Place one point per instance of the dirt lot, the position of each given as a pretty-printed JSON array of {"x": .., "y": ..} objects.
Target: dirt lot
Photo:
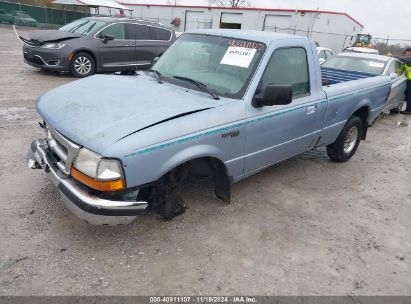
[{"x": 306, "y": 226}]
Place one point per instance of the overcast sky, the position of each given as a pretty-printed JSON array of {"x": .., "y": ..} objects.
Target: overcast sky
[{"x": 381, "y": 18}]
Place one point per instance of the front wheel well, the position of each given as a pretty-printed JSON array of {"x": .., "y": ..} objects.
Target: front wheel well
[
  {"x": 84, "y": 51},
  {"x": 210, "y": 167},
  {"x": 217, "y": 170},
  {"x": 363, "y": 113}
]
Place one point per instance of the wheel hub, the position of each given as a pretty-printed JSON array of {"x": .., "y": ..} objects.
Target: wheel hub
[
  {"x": 82, "y": 65},
  {"x": 351, "y": 139}
]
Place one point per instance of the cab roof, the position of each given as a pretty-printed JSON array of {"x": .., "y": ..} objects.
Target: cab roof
[{"x": 259, "y": 36}]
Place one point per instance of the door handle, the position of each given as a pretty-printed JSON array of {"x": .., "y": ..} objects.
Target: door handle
[{"x": 311, "y": 109}]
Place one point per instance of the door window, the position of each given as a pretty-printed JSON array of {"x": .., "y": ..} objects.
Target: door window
[
  {"x": 391, "y": 68},
  {"x": 288, "y": 66},
  {"x": 329, "y": 54},
  {"x": 160, "y": 34},
  {"x": 116, "y": 30},
  {"x": 399, "y": 68},
  {"x": 142, "y": 32},
  {"x": 322, "y": 55}
]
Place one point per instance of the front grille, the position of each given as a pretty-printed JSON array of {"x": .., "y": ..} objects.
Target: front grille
[{"x": 64, "y": 150}]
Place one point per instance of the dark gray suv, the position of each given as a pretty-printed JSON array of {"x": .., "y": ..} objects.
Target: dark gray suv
[{"x": 98, "y": 44}]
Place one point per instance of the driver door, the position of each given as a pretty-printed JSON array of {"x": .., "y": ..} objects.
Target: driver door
[
  {"x": 282, "y": 131},
  {"x": 120, "y": 53}
]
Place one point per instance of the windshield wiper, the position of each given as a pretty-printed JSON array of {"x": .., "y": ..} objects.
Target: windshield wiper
[
  {"x": 158, "y": 75},
  {"x": 89, "y": 29},
  {"x": 199, "y": 84},
  {"x": 77, "y": 27}
]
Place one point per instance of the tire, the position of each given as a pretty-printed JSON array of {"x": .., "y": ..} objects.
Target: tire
[
  {"x": 399, "y": 108},
  {"x": 128, "y": 72},
  {"x": 347, "y": 142},
  {"x": 82, "y": 65}
]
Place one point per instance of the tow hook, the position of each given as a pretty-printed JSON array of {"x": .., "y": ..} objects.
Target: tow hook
[
  {"x": 33, "y": 164},
  {"x": 33, "y": 157}
]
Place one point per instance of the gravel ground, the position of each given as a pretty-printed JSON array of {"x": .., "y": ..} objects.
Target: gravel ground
[{"x": 304, "y": 227}]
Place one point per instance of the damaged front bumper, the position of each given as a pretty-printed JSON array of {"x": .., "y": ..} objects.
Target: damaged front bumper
[
  {"x": 52, "y": 59},
  {"x": 81, "y": 200}
]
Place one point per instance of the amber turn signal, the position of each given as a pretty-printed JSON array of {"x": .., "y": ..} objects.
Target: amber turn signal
[{"x": 114, "y": 185}]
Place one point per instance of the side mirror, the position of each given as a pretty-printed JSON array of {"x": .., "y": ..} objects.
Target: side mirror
[
  {"x": 273, "y": 94},
  {"x": 393, "y": 75},
  {"x": 107, "y": 38},
  {"x": 322, "y": 60},
  {"x": 156, "y": 59}
]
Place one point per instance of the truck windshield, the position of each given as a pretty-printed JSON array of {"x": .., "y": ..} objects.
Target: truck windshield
[
  {"x": 224, "y": 65},
  {"x": 82, "y": 26},
  {"x": 357, "y": 64}
]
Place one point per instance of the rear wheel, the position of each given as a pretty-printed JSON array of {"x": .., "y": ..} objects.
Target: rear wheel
[
  {"x": 347, "y": 142},
  {"x": 82, "y": 65},
  {"x": 400, "y": 107}
]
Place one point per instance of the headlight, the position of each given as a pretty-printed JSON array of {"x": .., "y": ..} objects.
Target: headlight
[
  {"x": 53, "y": 45},
  {"x": 87, "y": 162},
  {"x": 98, "y": 173}
]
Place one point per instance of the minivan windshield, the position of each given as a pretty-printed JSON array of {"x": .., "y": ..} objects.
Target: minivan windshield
[
  {"x": 224, "y": 65},
  {"x": 82, "y": 26},
  {"x": 357, "y": 64}
]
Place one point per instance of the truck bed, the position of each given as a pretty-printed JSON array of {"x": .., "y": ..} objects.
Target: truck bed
[
  {"x": 333, "y": 76},
  {"x": 345, "y": 95}
]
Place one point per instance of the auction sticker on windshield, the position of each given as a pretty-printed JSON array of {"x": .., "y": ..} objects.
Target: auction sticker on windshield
[
  {"x": 374, "y": 64},
  {"x": 238, "y": 56}
]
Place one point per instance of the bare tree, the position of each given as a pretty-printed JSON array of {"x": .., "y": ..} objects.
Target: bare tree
[
  {"x": 395, "y": 49},
  {"x": 229, "y": 3}
]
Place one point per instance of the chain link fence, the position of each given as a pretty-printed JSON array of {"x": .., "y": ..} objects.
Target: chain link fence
[
  {"x": 391, "y": 45},
  {"x": 31, "y": 15},
  {"x": 387, "y": 45},
  {"x": 56, "y": 15}
]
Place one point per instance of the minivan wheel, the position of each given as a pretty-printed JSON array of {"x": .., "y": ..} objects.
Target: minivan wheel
[
  {"x": 82, "y": 65},
  {"x": 347, "y": 142}
]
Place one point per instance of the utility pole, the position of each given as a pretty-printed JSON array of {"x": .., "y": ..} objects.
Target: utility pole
[
  {"x": 315, "y": 16},
  {"x": 345, "y": 40}
]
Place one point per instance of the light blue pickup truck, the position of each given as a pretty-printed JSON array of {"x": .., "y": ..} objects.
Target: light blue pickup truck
[{"x": 225, "y": 103}]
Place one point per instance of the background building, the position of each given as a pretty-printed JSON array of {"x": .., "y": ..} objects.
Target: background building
[{"x": 330, "y": 29}]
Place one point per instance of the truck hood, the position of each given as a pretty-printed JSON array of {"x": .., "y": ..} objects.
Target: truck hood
[
  {"x": 97, "y": 111},
  {"x": 41, "y": 36}
]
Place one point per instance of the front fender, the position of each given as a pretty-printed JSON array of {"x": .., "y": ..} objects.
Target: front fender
[
  {"x": 190, "y": 153},
  {"x": 148, "y": 166}
]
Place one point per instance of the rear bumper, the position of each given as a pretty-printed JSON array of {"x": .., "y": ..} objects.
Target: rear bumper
[{"x": 81, "y": 200}]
